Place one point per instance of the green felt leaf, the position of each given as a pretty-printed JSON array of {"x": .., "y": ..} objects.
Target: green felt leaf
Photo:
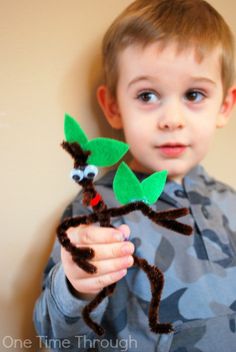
[
  {"x": 153, "y": 186},
  {"x": 73, "y": 131},
  {"x": 126, "y": 186},
  {"x": 106, "y": 151}
]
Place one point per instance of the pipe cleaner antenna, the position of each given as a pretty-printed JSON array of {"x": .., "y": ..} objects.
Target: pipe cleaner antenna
[{"x": 103, "y": 152}]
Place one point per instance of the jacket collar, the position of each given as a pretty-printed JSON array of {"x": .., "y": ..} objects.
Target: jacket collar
[{"x": 196, "y": 180}]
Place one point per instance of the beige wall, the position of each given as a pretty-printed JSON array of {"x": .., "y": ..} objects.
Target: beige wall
[{"x": 50, "y": 65}]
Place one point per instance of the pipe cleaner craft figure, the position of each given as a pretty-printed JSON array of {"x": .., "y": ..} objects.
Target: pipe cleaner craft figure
[{"x": 129, "y": 192}]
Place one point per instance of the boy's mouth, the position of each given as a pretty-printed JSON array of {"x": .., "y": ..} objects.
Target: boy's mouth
[{"x": 172, "y": 150}]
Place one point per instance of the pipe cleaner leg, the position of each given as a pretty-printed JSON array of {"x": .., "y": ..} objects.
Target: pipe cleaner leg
[
  {"x": 156, "y": 279},
  {"x": 80, "y": 255},
  {"x": 106, "y": 291}
]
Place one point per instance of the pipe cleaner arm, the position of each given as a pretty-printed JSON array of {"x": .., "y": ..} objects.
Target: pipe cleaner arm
[{"x": 164, "y": 218}]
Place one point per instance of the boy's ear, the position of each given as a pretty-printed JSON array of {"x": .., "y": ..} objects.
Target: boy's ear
[
  {"x": 226, "y": 107},
  {"x": 109, "y": 107}
]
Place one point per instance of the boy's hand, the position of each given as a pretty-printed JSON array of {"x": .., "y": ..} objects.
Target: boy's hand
[{"x": 112, "y": 257}]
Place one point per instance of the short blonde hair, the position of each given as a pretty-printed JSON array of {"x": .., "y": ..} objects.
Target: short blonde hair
[{"x": 190, "y": 23}]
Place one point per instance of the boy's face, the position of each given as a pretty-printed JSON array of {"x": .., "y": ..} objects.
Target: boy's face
[{"x": 169, "y": 105}]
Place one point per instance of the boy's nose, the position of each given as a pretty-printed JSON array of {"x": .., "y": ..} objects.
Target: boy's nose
[{"x": 172, "y": 118}]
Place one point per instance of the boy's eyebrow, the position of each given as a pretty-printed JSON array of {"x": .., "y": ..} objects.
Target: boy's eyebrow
[
  {"x": 203, "y": 79},
  {"x": 149, "y": 78},
  {"x": 140, "y": 78}
]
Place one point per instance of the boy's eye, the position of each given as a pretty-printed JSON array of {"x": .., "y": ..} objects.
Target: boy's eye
[
  {"x": 148, "y": 97},
  {"x": 194, "y": 96}
]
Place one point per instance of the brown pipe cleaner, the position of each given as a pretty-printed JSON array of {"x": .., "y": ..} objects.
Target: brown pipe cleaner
[{"x": 102, "y": 215}]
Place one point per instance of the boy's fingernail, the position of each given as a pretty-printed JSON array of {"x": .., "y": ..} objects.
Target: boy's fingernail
[
  {"x": 127, "y": 249},
  {"x": 125, "y": 235},
  {"x": 124, "y": 229},
  {"x": 118, "y": 236}
]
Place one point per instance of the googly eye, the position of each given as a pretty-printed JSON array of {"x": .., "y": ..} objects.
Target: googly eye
[
  {"x": 90, "y": 172},
  {"x": 77, "y": 175}
]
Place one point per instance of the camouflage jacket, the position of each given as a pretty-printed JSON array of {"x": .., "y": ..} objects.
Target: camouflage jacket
[{"x": 199, "y": 295}]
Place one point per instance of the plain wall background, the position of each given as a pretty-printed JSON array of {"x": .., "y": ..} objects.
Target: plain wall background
[{"x": 50, "y": 63}]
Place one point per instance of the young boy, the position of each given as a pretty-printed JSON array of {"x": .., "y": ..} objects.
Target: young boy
[{"x": 169, "y": 70}]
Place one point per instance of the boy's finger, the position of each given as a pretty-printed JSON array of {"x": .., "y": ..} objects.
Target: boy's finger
[
  {"x": 109, "y": 251},
  {"x": 118, "y": 257},
  {"x": 125, "y": 230},
  {"x": 86, "y": 235},
  {"x": 112, "y": 250},
  {"x": 95, "y": 284},
  {"x": 108, "y": 266}
]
